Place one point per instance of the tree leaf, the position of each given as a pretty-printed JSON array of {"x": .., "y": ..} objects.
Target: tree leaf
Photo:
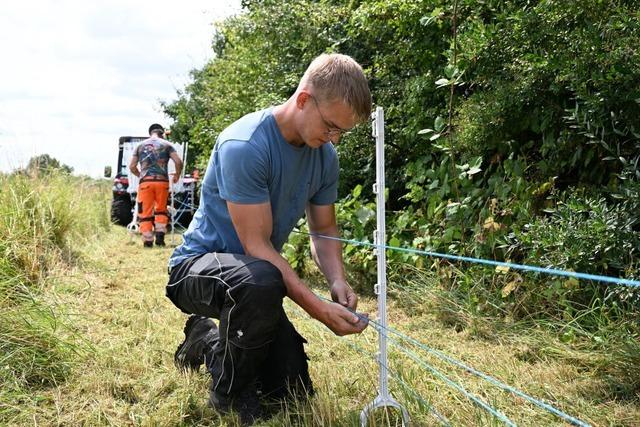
[
  {"x": 356, "y": 191},
  {"x": 474, "y": 170},
  {"x": 571, "y": 283},
  {"x": 502, "y": 269},
  {"x": 491, "y": 225},
  {"x": 509, "y": 288}
]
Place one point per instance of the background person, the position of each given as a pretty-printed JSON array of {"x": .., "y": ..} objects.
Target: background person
[{"x": 153, "y": 154}]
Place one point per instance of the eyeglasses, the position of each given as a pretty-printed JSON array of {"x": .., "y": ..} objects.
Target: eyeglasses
[{"x": 332, "y": 130}]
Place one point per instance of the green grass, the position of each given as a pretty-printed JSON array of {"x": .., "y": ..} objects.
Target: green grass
[
  {"x": 39, "y": 220},
  {"x": 129, "y": 378},
  {"x": 96, "y": 338}
]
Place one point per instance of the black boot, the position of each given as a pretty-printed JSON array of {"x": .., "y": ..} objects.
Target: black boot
[
  {"x": 246, "y": 404},
  {"x": 147, "y": 244},
  {"x": 160, "y": 239},
  {"x": 200, "y": 333}
]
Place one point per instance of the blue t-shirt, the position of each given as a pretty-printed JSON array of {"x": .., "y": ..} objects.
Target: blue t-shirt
[{"x": 252, "y": 163}]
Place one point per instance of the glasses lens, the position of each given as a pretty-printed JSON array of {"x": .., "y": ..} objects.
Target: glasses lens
[{"x": 331, "y": 131}]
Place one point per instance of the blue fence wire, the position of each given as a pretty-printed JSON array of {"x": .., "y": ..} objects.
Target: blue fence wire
[
  {"x": 537, "y": 402},
  {"x": 499, "y": 415},
  {"x": 443, "y": 420},
  {"x": 490, "y": 379},
  {"x": 382, "y": 329},
  {"x": 544, "y": 270}
]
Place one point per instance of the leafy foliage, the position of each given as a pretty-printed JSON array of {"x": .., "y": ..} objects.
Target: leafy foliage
[
  {"x": 45, "y": 164},
  {"x": 512, "y": 127}
]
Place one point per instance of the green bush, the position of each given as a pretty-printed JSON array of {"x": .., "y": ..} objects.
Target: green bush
[
  {"x": 583, "y": 233},
  {"x": 486, "y": 128},
  {"x": 561, "y": 75}
]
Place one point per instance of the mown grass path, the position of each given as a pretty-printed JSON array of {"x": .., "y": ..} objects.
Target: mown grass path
[{"x": 125, "y": 373}]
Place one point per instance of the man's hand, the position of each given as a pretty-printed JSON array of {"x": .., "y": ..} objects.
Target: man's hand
[
  {"x": 342, "y": 293},
  {"x": 175, "y": 178},
  {"x": 342, "y": 321}
]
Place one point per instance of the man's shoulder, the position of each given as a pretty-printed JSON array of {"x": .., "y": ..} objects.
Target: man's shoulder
[
  {"x": 147, "y": 141},
  {"x": 328, "y": 154},
  {"x": 245, "y": 128},
  {"x": 164, "y": 143},
  {"x": 329, "y": 149},
  {"x": 155, "y": 141}
]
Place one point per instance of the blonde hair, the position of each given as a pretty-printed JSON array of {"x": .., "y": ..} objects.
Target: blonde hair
[{"x": 340, "y": 77}]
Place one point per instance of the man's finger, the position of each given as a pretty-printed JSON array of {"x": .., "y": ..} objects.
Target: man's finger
[
  {"x": 350, "y": 317},
  {"x": 352, "y": 300},
  {"x": 364, "y": 317}
]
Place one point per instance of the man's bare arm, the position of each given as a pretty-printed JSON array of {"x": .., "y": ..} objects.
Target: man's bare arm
[
  {"x": 254, "y": 225},
  {"x": 178, "y": 163},
  {"x": 133, "y": 166},
  {"x": 327, "y": 253}
]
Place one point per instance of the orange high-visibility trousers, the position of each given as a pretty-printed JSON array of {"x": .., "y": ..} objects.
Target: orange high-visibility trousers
[{"x": 152, "y": 207}]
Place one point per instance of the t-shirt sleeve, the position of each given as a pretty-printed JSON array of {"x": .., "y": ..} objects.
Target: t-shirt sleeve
[
  {"x": 242, "y": 172},
  {"x": 327, "y": 194}
]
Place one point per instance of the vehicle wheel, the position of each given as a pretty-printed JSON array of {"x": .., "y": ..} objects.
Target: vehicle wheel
[{"x": 121, "y": 212}]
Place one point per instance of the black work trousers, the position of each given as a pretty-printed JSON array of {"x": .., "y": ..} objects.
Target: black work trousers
[{"x": 258, "y": 345}]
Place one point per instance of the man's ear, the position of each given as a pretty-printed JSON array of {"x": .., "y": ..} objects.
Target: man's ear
[{"x": 301, "y": 98}]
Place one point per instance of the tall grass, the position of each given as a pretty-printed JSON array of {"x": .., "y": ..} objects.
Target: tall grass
[
  {"x": 42, "y": 223},
  {"x": 607, "y": 346}
]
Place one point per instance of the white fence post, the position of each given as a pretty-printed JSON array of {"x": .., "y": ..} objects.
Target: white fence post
[{"x": 379, "y": 238}]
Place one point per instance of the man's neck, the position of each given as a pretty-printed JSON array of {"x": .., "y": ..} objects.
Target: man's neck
[{"x": 284, "y": 115}]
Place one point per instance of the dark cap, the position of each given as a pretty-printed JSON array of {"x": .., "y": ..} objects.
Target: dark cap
[{"x": 156, "y": 127}]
